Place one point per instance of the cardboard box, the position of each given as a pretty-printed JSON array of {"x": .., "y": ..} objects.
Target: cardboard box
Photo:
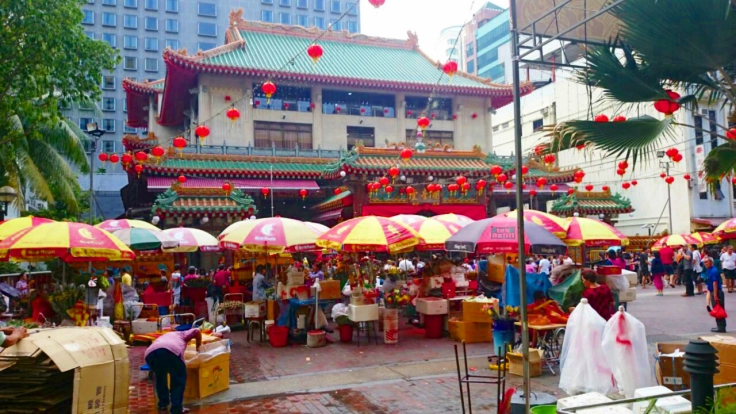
[
  {"x": 432, "y": 306},
  {"x": 255, "y": 309},
  {"x": 669, "y": 370},
  {"x": 295, "y": 277},
  {"x": 143, "y": 326},
  {"x": 209, "y": 376},
  {"x": 470, "y": 332},
  {"x": 330, "y": 289},
  {"x": 726, "y": 347},
  {"x": 590, "y": 398},
  {"x": 363, "y": 313},
  {"x": 628, "y": 295},
  {"x": 609, "y": 270},
  {"x": 286, "y": 292},
  {"x": 516, "y": 363},
  {"x": 641, "y": 406},
  {"x": 99, "y": 359},
  {"x": 473, "y": 310}
]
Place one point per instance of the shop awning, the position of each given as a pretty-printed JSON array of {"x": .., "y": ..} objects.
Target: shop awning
[
  {"x": 163, "y": 183},
  {"x": 709, "y": 221},
  {"x": 329, "y": 215}
]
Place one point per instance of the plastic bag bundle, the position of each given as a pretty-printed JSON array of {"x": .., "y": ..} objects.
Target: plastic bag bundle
[
  {"x": 338, "y": 310},
  {"x": 625, "y": 347},
  {"x": 583, "y": 364}
]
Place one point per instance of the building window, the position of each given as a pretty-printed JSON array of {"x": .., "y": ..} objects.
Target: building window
[
  {"x": 110, "y": 2},
  {"x": 353, "y": 27},
  {"x": 203, "y": 46},
  {"x": 713, "y": 129},
  {"x": 131, "y": 4},
  {"x": 108, "y": 125},
  {"x": 130, "y": 21},
  {"x": 108, "y": 146},
  {"x": 495, "y": 73},
  {"x": 493, "y": 36},
  {"x": 302, "y": 4},
  {"x": 430, "y": 137},
  {"x": 469, "y": 49},
  {"x": 319, "y": 5},
  {"x": 319, "y": 22},
  {"x": 284, "y": 18},
  {"x": 352, "y": 8},
  {"x": 283, "y": 135},
  {"x": 130, "y": 63},
  {"x": 89, "y": 17},
  {"x": 172, "y": 26},
  {"x": 110, "y": 39},
  {"x": 172, "y": 43},
  {"x": 108, "y": 104},
  {"x": 285, "y": 3},
  {"x": 335, "y": 6},
  {"x": 128, "y": 130},
  {"x": 83, "y": 123},
  {"x": 537, "y": 124},
  {"x": 302, "y": 20},
  {"x": 89, "y": 34},
  {"x": 267, "y": 16},
  {"x": 471, "y": 66},
  {"x": 130, "y": 42},
  {"x": 108, "y": 83},
  {"x": 151, "y": 4},
  {"x": 208, "y": 29},
  {"x": 207, "y": 9},
  {"x": 151, "y": 44},
  {"x": 698, "y": 121},
  {"x": 488, "y": 58},
  {"x": 335, "y": 24},
  {"x": 361, "y": 134},
  {"x": 152, "y": 23},
  {"x": 267, "y": 1},
  {"x": 86, "y": 106},
  {"x": 151, "y": 65},
  {"x": 125, "y": 105},
  {"x": 440, "y": 109},
  {"x": 172, "y": 6},
  {"x": 495, "y": 128},
  {"x": 109, "y": 19}
]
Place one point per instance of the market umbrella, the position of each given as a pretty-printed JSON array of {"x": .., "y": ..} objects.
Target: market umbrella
[
  {"x": 21, "y": 223},
  {"x": 191, "y": 240},
  {"x": 145, "y": 240},
  {"x": 434, "y": 233},
  {"x": 115, "y": 225},
  {"x": 318, "y": 228},
  {"x": 454, "y": 218},
  {"x": 727, "y": 229},
  {"x": 676, "y": 240},
  {"x": 9, "y": 291},
  {"x": 556, "y": 225},
  {"x": 705, "y": 238},
  {"x": 71, "y": 242},
  {"x": 590, "y": 232},
  {"x": 270, "y": 235},
  {"x": 498, "y": 235},
  {"x": 369, "y": 234}
]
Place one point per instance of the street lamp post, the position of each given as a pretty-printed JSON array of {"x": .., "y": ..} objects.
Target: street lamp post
[
  {"x": 7, "y": 195},
  {"x": 95, "y": 134},
  {"x": 666, "y": 166}
]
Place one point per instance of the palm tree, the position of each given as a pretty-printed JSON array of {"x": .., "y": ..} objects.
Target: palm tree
[
  {"x": 44, "y": 161},
  {"x": 663, "y": 45}
]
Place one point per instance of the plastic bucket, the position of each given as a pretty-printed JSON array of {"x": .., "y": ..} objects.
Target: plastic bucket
[
  {"x": 501, "y": 339},
  {"x": 346, "y": 333},
  {"x": 433, "y": 326},
  {"x": 278, "y": 336},
  {"x": 544, "y": 409}
]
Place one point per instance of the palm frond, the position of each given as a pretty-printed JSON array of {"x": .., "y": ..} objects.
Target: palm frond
[
  {"x": 720, "y": 162},
  {"x": 29, "y": 174},
  {"x": 66, "y": 138},
  {"x": 635, "y": 139}
]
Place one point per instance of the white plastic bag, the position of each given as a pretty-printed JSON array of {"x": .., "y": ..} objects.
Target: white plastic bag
[
  {"x": 583, "y": 365},
  {"x": 617, "y": 283},
  {"x": 625, "y": 347},
  {"x": 339, "y": 310}
]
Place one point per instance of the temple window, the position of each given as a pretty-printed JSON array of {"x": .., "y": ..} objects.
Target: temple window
[
  {"x": 282, "y": 135},
  {"x": 358, "y": 104}
]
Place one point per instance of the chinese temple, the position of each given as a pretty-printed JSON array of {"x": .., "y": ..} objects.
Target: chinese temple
[{"x": 603, "y": 204}]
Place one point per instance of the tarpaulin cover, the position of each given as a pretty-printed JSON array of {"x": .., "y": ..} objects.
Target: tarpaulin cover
[
  {"x": 512, "y": 288},
  {"x": 569, "y": 292}
]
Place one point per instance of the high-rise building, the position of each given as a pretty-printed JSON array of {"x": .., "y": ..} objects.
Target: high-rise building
[
  {"x": 141, "y": 29},
  {"x": 449, "y": 46},
  {"x": 482, "y": 17}
]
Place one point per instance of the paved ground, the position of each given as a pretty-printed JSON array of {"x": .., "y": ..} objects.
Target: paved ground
[{"x": 415, "y": 376}]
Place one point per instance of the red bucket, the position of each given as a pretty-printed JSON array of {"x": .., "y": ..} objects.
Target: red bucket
[
  {"x": 346, "y": 333},
  {"x": 433, "y": 326},
  {"x": 278, "y": 336}
]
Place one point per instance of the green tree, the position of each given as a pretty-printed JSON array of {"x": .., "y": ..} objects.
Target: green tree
[
  {"x": 48, "y": 61},
  {"x": 687, "y": 45}
]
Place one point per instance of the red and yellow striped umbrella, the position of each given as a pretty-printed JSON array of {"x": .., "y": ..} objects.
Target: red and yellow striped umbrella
[
  {"x": 270, "y": 235},
  {"x": 434, "y": 233},
  {"x": 590, "y": 232},
  {"x": 676, "y": 240},
  {"x": 454, "y": 218},
  {"x": 554, "y": 224},
  {"x": 705, "y": 238},
  {"x": 727, "y": 230},
  {"x": 369, "y": 234},
  {"x": 21, "y": 223},
  {"x": 115, "y": 225},
  {"x": 71, "y": 242}
]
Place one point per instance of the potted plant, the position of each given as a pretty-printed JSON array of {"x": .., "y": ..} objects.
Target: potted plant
[
  {"x": 345, "y": 326},
  {"x": 394, "y": 300},
  {"x": 503, "y": 325}
]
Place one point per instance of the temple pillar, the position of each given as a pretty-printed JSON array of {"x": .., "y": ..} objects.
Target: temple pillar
[
  {"x": 317, "y": 130},
  {"x": 487, "y": 144},
  {"x": 458, "y": 127},
  {"x": 400, "y": 118},
  {"x": 357, "y": 184}
]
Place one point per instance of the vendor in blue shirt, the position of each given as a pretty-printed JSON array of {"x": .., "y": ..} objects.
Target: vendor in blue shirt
[{"x": 715, "y": 292}]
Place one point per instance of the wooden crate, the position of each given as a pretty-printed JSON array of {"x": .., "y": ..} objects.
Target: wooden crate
[
  {"x": 330, "y": 289},
  {"x": 470, "y": 332},
  {"x": 473, "y": 311},
  {"x": 208, "y": 378}
]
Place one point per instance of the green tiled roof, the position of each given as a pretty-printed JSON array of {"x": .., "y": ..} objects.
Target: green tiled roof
[
  {"x": 172, "y": 203},
  {"x": 592, "y": 203},
  {"x": 238, "y": 166}
]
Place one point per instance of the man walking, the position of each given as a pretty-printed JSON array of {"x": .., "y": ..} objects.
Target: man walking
[
  {"x": 715, "y": 292},
  {"x": 687, "y": 272},
  {"x": 667, "y": 255},
  {"x": 697, "y": 268},
  {"x": 728, "y": 263}
]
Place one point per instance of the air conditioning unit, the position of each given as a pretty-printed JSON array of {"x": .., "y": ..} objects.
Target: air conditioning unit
[
  {"x": 545, "y": 111},
  {"x": 704, "y": 112}
]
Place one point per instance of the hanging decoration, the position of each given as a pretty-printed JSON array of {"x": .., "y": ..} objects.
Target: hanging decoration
[
  {"x": 731, "y": 133},
  {"x": 532, "y": 193},
  {"x": 384, "y": 181},
  {"x": 202, "y": 131},
  {"x": 549, "y": 160},
  {"x": 601, "y": 118},
  {"x": 662, "y": 175},
  {"x": 315, "y": 52},
  {"x": 668, "y": 106},
  {"x": 103, "y": 157},
  {"x": 501, "y": 178},
  {"x": 496, "y": 170},
  {"x": 303, "y": 193},
  {"x": 452, "y": 188},
  {"x": 524, "y": 170},
  {"x": 733, "y": 180},
  {"x": 389, "y": 189},
  {"x": 461, "y": 180},
  {"x": 606, "y": 188},
  {"x": 127, "y": 159},
  {"x": 541, "y": 182},
  {"x": 677, "y": 158},
  {"x": 508, "y": 185},
  {"x": 539, "y": 150},
  {"x": 227, "y": 188},
  {"x": 626, "y": 185},
  {"x": 406, "y": 154},
  {"x": 337, "y": 191},
  {"x": 480, "y": 185},
  {"x": 450, "y": 69},
  {"x": 580, "y": 147},
  {"x": 138, "y": 169},
  {"x": 268, "y": 88},
  {"x": 377, "y": 3},
  {"x": 233, "y": 114},
  {"x": 578, "y": 176},
  {"x": 554, "y": 188},
  {"x": 393, "y": 172},
  {"x": 410, "y": 191},
  {"x": 180, "y": 143},
  {"x": 181, "y": 179},
  {"x": 669, "y": 179},
  {"x": 619, "y": 118},
  {"x": 465, "y": 187},
  {"x": 158, "y": 152},
  {"x": 114, "y": 158},
  {"x": 265, "y": 191},
  {"x": 686, "y": 177},
  {"x": 141, "y": 156},
  {"x": 589, "y": 187},
  {"x": 474, "y": 115},
  {"x": 423, "y": 124},
  {"x": 634, "y": 183},
  {"x": 570, "y": 191},
  {"x": 621, "y": 172}
]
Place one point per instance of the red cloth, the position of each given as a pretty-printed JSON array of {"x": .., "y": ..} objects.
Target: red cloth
[
  {"x": 41, "y": 305},
  {"x": 601, "y": 299},
  {"x": 222, "y": 278},
  {"x": 667, "y": 255}
]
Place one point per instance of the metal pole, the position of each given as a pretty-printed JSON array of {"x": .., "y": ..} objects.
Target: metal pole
[
  {"x": 520, "y": 202},
  {"x": 669, "y": 199},
  {"x": 272, "y": 194},
  {"x": 93, "y": 148}
]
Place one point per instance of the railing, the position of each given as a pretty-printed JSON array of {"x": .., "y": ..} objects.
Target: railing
[{"x": 225, "y": 149}]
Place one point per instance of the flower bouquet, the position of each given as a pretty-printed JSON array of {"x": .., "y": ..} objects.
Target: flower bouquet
[
  {"x": 65, "y": 298},
  {"x": 397, "y": 298},
  {"x": 503, "y": 325}
]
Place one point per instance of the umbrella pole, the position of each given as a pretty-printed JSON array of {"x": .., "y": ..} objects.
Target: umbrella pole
[{"x": 63, "y": 273}]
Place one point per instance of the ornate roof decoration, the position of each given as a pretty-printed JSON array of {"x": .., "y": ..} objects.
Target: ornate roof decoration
[
  {"x": 136, "y": 143},
  {"x": 147, "y": 88},
  {"x": 344, "y": 199},
  {"x": 591, "y": 203},
  {"x": 195, "y": 203}
]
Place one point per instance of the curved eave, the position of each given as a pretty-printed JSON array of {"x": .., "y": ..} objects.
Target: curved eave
[
  {"x": 137, "y": 96},
  {"x": 158, "y": 170}
]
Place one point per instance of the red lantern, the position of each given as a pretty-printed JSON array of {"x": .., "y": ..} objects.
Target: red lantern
[
  {"x": 315, "y": 52},
  {"x": 423, "y": 123},
  {"x": 158, "y": 152},
  {"x": 473, "y": 115},
  {"x": 625, "y": 185},
  {"x": 454, "y": 117},
  {"x": 731, "y": 133},
  {"x": 232, "y": 114},
  {"x": 303, "y": 194},
  {"x": 532, "y": 193},
  {"x": 670, "y": 179},
  {"x": 668, "y": 106},
  {"x": 127, "y": 159},
  {"x": 409, "y": 113},
  {"x": 619, "y": 118},
  {"x": 410, "y": 190},
  {"x": 579, "y": 173},
  {"x": 452, "y": 187},
  {"x": 554, "y": 187},
  {"x": 337, "y": 191},
  {"x": 634, "y": 183},
  {"x": 621, "y": 172},
  {"x": 181, "y": 179},
  {"x": 501, "y": 178},
  {"x": 539, "y": 150},
  {"x": 524, "y": 170},
  {"x": 461, "y": 180},
  {"x": 541, "y": 182},
  {"x": 606, "y": 188},
  {"x": 103, "y": 157},
  {"x": 141, "y": 156},
  {"x": 389, "y": 189},
  {"x": 384, "y": 181},
  {"x": 662, "y": 175},
  {"x": 265, "y": 191},
  {"x": 671, "y": 152},
  {"x": 139, "y": 169},
  {"x": 508, "y": 185},
  {"x": 406, "y": 154},
  {"x": 578, "y": 179},
  {"x": 202, "y": 131},
  {"x": 268, "y": 89},
  {"x": 227, "y": 98},
  {"x": 570, "y": 191},
  {"x": 386, "y": 111},
  {"x": 481, "y": 184},
  {"x": 589, "y": 187},
  {"x": 549, "y": 159},
  {"x": 601, "y": 118},
  {"x": 580, "y": 147},
  {"x": 114, "y": 158},
  {"x": 433, "y": 116},
  {"x": 393, "y": 172},
  {"x": 523, "y": 186},
  {"x": 677, "y": 158},
  {"x": 450, "y": 69},
  {"x": 227, "y": 187},
  {"x": 623, "y": 165},
  {"x": 376, "y": 3},
  {"x": 496, "y": 170},
  {"x": 180, "y": 143},
  {"x": 733, "y": 180},
  {"x": 686, "y": 177},
  {"x": 465, "y": 187},
  {"x": 362, "y": 111}
]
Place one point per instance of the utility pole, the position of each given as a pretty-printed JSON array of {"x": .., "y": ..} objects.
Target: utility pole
[
  {"x": 666, "y": 166},
  {"x": 95, "y": 134}
]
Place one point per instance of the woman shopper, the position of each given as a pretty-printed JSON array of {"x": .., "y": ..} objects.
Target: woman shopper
[
  {"x": 658, "y": 273},
  {"x": 599, "y": 296}
]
